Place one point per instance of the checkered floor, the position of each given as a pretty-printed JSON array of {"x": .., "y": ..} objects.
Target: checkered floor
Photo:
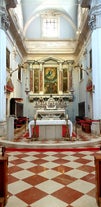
[{"x": 51, "y": 178}]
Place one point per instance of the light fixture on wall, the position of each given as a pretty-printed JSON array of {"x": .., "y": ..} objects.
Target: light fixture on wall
[
  {"x": 27, "y": 91},
  {"x": 20, "y": 66},
  {"x": 9, "y": 87},
  {"x": 26, "y": 86},
  {"x": 81, "y": 68},
  {"x": 72, "y": 91}
]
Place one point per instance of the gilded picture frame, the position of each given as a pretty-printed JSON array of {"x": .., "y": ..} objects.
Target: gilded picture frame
[{"x": 50, "y": 80}]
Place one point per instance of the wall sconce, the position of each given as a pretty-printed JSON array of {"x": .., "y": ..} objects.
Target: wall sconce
[
  {"x": 72, "y": 91},
  {"x": 27, "y": 86},
  {"x": 27, "y": 91},
  {"x": 79, "y": 67},
  {"x": 20, "y": 66}
]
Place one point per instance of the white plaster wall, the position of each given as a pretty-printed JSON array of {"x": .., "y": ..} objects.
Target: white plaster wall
[{"x": 15, "y": 59}]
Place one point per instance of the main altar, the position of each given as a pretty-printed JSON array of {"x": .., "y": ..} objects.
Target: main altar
[
  {"x": 50, "y": 92},
  {"x": 50, "y": 121},
  {"x": 50, "y": 114},
  {"x": 49, "y": 129}
]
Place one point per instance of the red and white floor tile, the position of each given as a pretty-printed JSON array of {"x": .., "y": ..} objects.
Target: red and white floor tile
[{"x": 51, "y": 178}]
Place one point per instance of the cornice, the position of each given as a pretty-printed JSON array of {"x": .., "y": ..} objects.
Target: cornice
[
  {"x": 16, "y": 35},
  {"x": 83, "y": 36}
]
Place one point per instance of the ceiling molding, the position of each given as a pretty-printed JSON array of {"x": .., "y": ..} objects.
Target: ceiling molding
[
  {"x": 50, "y": 47},
  {"x": 82, "y": 37},
  {"x": 16, "y": 35}
]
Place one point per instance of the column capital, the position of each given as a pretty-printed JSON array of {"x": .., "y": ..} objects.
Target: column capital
[
  {"x": 4, "y": 20},
  {"x": 41, "y": 66},
  {"x": 60, "y": 65},
  {"x": 95, "y": 16}
]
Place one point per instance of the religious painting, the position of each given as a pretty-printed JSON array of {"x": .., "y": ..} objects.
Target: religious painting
[
  {"x": 65, "y": 80},
  {"x": 36, "y": 81},
  {"x": 50, "y": 80}
]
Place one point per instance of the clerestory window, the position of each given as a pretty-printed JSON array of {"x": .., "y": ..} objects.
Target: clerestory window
[{"x": 50, "y": 27}]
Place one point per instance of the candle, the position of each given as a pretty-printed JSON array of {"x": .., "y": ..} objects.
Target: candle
[
  {"x": 35, "y": 117},
  {"x": 66, "y": 116}
]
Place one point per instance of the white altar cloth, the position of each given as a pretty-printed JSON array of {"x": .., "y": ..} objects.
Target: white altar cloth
[{"x": 50, "y": 122}]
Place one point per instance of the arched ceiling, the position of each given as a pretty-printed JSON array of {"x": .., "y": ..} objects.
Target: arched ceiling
[
  {"x": 31, "y": 8},
  {"x": 28, "y": 12}
]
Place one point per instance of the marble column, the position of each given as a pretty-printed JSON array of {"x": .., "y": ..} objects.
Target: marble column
[
  {"x": 4, "y": 23},
  {"x": 95, "y": 24},
  {"x": 60, "y": 78},
  {"x": 41, "y": 78},
  {"x": 31, "y": 81}
]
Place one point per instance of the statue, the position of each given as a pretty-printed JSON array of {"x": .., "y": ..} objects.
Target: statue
[{"x": 51, "y": 103}]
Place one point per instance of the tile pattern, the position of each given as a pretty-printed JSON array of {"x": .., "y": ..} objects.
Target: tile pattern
[
  {"x": 51, "y": 178},
  {"x": 22, "y": 135}
]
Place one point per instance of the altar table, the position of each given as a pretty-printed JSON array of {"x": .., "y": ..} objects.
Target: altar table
[
  {"x": 50, "y": 129},
  {"x": 53, "y": 113}
]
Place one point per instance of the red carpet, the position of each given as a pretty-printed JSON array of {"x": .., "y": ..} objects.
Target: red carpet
[{"x": 55, "y": 149}]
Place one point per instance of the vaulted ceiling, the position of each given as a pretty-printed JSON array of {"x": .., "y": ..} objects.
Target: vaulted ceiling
[{"x": 25, "y": 22}]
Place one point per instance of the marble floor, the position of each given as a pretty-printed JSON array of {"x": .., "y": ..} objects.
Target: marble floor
[
  {"x": 57, "y": 173},
  {"x": 51, "y": 178},
  {"x": 22, "y": 140}
]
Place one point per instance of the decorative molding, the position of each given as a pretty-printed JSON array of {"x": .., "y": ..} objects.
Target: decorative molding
[
  {"x": 16, "y": 34},
  {"x": 83, "y": 36},
  {"x": 95, "y": 17},
  {"x": 47, "y": 59},
  {"x": 50, "y": 46},
  {"x": 40, "y": 100},
  {"x": 92, "y": 22},
  {"x": 4, "y": 20}
]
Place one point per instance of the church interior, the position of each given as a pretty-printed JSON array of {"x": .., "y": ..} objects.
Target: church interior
[{"x": 50, "y": 114}]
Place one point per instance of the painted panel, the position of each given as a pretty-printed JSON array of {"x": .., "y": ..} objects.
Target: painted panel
[{"x": 50, "y": 80}]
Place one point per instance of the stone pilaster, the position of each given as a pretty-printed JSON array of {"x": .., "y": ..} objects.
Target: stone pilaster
[
  {"x": 95, "y": 25},
  {"x": 60, "y": 78},
  {"x": 4, "y": 24},
  {"x": 41, "y": 78}
]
